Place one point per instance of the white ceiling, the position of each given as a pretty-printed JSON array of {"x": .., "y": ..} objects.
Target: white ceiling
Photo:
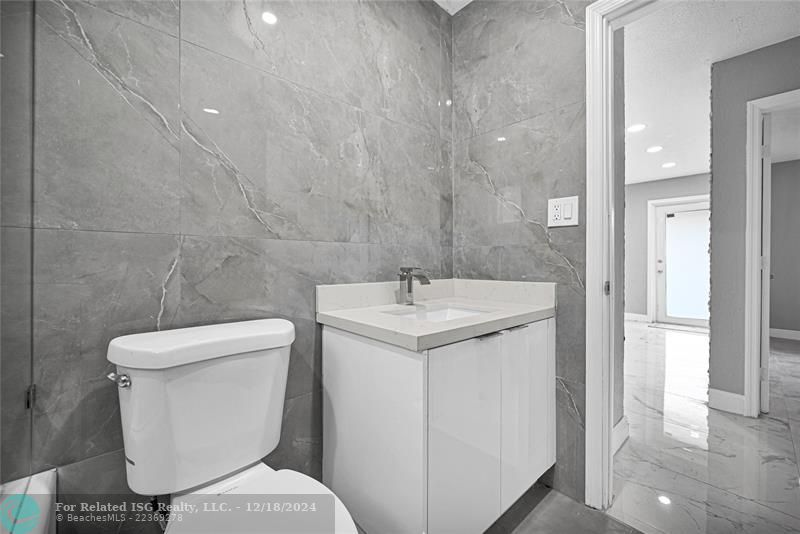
[
  {"x": 785, "y": 135},
  {"x": 668, "y": 57},
  {"x": 452, "y": 6}
]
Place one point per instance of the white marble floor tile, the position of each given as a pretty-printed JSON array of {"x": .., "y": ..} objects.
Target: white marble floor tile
[{"x": 688, "y": 468}]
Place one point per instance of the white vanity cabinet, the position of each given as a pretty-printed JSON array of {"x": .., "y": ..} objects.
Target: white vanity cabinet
[{"x": 440, "y": 441}]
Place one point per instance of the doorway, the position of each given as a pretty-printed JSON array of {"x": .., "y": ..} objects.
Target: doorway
[
  {"x": 730, "y": 482},
  {"x": 680, "y": 231},
  {"x": 768, "y": 145}
]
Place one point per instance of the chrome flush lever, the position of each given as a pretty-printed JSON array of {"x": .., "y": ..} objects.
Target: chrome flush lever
[{"x": 122, "y": 381}]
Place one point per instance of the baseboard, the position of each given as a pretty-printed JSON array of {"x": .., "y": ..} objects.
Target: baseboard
[
  {"x": 726, "y": 401},
  {"x": 620, "y": 434},
  {"x": 637, "y": 317},
  {"x": 784, "y": 334}
]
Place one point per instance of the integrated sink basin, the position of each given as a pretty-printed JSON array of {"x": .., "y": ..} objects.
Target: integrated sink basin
[{"x": 436, "y": 314}]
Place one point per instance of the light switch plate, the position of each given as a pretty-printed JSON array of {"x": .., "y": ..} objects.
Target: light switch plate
[{"x": 562, "y": 211}]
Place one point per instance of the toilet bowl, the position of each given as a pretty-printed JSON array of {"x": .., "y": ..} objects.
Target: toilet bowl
[
  {"x": 251, "y": 484},
  {"x": 200, "y": 408}
]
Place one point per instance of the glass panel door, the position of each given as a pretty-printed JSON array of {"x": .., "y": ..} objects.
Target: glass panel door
[{"x": 683, "y": 264}]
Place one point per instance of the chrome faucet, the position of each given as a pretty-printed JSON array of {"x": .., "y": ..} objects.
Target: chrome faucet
[{"x": 407, "y": 275}]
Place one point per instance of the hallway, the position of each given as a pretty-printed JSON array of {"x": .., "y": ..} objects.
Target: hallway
[{"x": 689, "y": 469}]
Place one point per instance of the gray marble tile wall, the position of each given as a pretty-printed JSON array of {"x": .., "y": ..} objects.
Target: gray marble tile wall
[
  {"x": 16, "y": 128},
  {"x": 519, "y": 139},
  {"x": 194, "y": 164}
]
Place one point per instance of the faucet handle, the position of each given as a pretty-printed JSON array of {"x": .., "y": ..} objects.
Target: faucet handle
[{"x": 409, "y": 270}]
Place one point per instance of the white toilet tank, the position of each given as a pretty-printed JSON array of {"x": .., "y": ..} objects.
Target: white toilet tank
[{"x": 201, "y": 402}]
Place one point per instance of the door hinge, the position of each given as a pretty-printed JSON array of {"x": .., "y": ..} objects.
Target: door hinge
[
  {"x": 764, "y": 374},
  {"x": 607, "y": 287},
  {"x": 764, "y": 150},
  {"x": 764, "y": 262},
  {"x": 30, "y": 397}
]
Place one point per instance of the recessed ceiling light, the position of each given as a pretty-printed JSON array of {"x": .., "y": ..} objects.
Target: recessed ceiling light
[
  {"x": 269, "y": 18},
  {"x": 501, "y": 139},
  {"x": 633, "y": 128},
  {"x": 211, "y": 111},
  {"x": 663, "y": 499},
  {"x": 669, "y": 164},
  {"x": 654, "y": 149}
]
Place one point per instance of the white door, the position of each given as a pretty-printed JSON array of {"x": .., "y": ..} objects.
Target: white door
[
  {"x": 766, "y": 211},
  {"x": 683, "y": 264}
]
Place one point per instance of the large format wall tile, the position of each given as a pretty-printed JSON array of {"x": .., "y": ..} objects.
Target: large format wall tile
[
  {"x": 161, "y": 15},
  {"x": 106, "y": 123},
  {"x": 245, "y": 278},
  {"x": 515, "y": 60},
  {"x": 15, "y": 374},
  {"x": 276, "y": 161},
  {"x": 16, "y": 111},
  {"x": 195, "y": 165},
  {"x": 389, "y": 63},
  {"x": 519, "y": 139},
  {"x": 300, "y": 447},
  {"x": 502, "y": 186},
  {"x": 89, "y": 288},
  {"x": 102, "y": 478},
  {"x": 141, "y": 65}
]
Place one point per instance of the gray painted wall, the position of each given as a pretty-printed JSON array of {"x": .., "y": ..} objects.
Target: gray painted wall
[
  {"x": 785, "y": 252},
  {"x": 519, "y": 74},
  {"x": 767, "y": 71},
  {"x": 636, "y": 198},
  {"x": 328, "y": 162}
]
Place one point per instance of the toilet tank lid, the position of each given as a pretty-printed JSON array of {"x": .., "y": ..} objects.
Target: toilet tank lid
[{"x": 170, "y": 348}]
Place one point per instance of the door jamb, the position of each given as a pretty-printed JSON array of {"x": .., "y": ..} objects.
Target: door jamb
[
  {"x": 602, "y": 18},
  {"x": 753, "y": 320}
]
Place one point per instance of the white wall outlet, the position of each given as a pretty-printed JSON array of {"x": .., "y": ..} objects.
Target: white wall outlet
[{"x": 562, "y": 211}]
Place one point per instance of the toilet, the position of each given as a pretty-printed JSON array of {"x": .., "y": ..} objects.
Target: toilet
[{"x": 200, "y": 408}]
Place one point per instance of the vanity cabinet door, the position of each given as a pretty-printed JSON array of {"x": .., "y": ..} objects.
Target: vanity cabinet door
[
  {"x": 464, "y": 417},
  {"x": 528, "y": 398}
]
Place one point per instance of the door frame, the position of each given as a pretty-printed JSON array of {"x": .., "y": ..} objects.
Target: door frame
[
  {"x": 757, "y": 319},
  {"x": 603, "y": 17},
  {"x": 652, "y": 245}
]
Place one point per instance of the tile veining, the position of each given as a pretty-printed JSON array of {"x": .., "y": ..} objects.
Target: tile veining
[
  {"x": 150, "y": 213},
  {"x": 74, "y": 33}
]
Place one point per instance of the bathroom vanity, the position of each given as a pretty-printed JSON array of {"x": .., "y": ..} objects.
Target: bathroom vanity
[{"x": 436, "y": 416}]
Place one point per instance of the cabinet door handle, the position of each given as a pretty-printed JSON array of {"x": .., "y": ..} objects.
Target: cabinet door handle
[
  {"x": 520, "y": 327},
  {"x": 493, "y": 334}
]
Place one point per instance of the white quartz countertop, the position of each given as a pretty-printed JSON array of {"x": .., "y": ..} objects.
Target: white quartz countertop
[{"x": 382, "y": 322}]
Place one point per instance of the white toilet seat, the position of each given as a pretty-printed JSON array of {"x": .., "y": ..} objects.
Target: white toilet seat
[{"x": 261, "y": 480}]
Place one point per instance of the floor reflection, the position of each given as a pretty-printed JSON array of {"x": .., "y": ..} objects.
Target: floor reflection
[{"x": 687, "y": 468}]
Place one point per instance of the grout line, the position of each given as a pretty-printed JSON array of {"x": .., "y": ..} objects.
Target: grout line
[
  {"x": 100, "y": 6},
  {"x": 515, "y": 122},
  {"x": 179, "y": 233},
  {"x": 433, "y": 132}
]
